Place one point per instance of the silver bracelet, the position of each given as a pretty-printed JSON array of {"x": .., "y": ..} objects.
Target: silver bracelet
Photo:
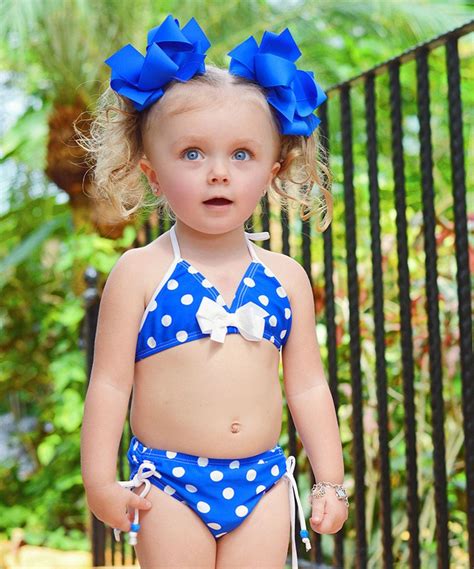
[{"x": 319, "y": 490}]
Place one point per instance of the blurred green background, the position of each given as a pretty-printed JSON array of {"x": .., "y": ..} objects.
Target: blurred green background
[{"x": 51, "y": 71}]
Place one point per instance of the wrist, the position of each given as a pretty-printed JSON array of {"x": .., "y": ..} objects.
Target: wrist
[{"x": 320, "y": 489}]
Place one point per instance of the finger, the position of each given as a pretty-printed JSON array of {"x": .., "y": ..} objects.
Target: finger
[
  {"x": 131, "y": 514},
  {"x": 123, "y": 525},
  {"x": 318, "y": 510},
  {"x": 135, "y": 501}
]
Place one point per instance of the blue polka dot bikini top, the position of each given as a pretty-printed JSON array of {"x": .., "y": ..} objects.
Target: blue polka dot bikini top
[{"x": 186, "y": 306}]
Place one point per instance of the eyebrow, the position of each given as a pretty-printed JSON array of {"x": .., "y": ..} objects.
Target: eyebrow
[{"x": 198, "y": 139}]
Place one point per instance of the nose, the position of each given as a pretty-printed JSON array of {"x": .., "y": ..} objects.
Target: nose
[{"x": 218, "y": 173}]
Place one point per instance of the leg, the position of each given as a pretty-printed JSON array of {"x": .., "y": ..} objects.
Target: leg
[
  {"x": 172, "y": 536},
  {"x": 261, "y": 541}
]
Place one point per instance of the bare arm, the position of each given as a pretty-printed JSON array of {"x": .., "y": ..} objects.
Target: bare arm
[
  {"x": 106, "y": 404},
  {"x": 307, "y": 392}
]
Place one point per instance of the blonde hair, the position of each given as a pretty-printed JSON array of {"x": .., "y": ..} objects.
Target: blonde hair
[{"x": 114, "y": 147}]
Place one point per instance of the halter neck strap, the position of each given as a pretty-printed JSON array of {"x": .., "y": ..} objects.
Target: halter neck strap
[{"x": 262, "y": 235}]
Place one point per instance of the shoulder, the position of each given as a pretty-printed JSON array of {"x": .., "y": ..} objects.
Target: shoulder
[
  {"x": 288, "y": 271},
  {"x": 124, "y": 278},
  {"x": 147, "y": 265}
]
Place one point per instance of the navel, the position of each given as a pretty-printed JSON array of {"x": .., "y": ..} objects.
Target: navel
[{"x": 235, "y": 427}]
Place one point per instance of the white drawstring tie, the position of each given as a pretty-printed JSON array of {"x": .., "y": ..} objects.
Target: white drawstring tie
[
  {"x": 293, "y": 487},
  {"x": 141, "y": 477},
  {"x": 147, "y": 469}
]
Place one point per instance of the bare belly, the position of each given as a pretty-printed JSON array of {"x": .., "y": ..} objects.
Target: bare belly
[{"x": 209, "y": 399}]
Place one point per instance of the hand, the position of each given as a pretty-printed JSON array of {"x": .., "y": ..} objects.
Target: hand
[
  {"x": 113, "y": 504},
  {"x": 328, "y": 513}
]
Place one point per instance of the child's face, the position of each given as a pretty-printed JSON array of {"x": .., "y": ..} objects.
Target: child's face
[{"x": 225, "y": 149}]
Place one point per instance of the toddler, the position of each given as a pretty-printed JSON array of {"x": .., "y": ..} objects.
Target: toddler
[{"x": 195, "y": 322}]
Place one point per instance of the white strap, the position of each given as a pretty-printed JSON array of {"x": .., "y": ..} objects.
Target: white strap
[
  {"x": 293, "y": 487},
  {"x": 262, "y": 235},
  {"x": 141, "y": 477},
  {"x": 174, "y": 243}
]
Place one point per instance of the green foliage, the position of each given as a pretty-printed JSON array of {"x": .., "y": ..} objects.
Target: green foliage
[{"x": 43, "y": 369}]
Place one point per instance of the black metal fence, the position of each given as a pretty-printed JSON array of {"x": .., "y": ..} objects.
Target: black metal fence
[{"x": 392, "y": 289}]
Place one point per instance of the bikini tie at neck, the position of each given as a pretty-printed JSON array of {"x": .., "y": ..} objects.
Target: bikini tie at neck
[
  {"x": 259, "y": 236},
  {"x": 213, "y": 319}
]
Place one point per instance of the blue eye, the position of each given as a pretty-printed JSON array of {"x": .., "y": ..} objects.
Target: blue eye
[
  {"x": 241, "y": 151},
  {"x": 191, "y": 151}
]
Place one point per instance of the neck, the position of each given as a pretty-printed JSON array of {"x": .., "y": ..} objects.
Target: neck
[{"x": 211, "y": 247}]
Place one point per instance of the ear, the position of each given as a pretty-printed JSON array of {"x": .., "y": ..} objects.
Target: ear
[
  {"x": 148, "y": 170},
  {"x": 273, "y": 172}
]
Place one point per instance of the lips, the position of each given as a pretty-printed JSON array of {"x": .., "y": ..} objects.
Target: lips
[{"x": 218, "y": 201}]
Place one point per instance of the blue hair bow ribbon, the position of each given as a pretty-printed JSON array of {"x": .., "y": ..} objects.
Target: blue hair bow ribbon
[
  {"x": 293, "y": 93},
  {"x": 171, "y": 53}
]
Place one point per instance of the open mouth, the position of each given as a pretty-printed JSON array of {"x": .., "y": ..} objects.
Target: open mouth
[{"x": 218, "y": 201}]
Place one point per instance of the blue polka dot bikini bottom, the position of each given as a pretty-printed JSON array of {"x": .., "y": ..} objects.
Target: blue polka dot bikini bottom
[{"x": 222, "y": 492}]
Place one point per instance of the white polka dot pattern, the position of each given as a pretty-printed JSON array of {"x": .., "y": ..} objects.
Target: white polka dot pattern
[
  {"x": 182, "y": 336},
  {"x": 281, "y": 292},
  {"x": 251, "y": 475},
  {"x": 223, "y": 492},
  {"x": 170, "y": 317},
  {"x": 263, "y": 299},
  {"x": 216, "y": 475},
  {"x": 203, "y": 507},
  {"x": 166, "y": 320}
]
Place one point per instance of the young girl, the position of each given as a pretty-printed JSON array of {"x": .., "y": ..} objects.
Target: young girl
[{"x": 196, "y": 320}]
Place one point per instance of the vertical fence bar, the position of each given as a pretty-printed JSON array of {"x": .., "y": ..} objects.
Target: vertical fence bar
[
  {"x": 432, "y": 309},
  {"x": 405, "y": 314},
  {"x": 265, "y": 218},
  {"x": 381, "y": 371},
  {"x": 330, "y": 315},
  {"x": 285, "y": 230},
  {"x": 358, "y": 451},
  {"x": 458, "y": 181},
  {"x": 92, "y": 302}
]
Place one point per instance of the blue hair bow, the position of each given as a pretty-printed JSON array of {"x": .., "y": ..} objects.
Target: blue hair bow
[
  {"x": 171, "y": 53},
  {"x": 292, "y": 92}
]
